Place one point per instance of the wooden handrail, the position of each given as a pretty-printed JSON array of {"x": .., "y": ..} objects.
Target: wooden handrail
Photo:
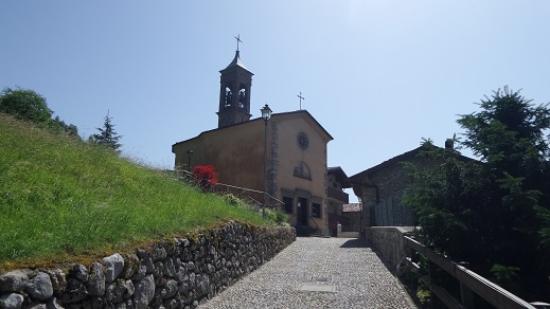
[
  {"x": 486, "y": 289},
  {"x": 442, "y": 294}
]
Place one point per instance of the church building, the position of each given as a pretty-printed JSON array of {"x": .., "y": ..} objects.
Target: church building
[{"x": 285, "y": 156}]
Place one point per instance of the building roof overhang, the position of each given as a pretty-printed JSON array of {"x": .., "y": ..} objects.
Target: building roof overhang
[
  {"x": 340, "y": 176},
  {"x": 358, "y": 178}
]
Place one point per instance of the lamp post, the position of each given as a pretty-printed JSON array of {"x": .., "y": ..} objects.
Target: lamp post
[{"x": 266, "y": 115}]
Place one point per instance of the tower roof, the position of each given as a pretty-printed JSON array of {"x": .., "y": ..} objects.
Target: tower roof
[{"x": 237, "y": 62}]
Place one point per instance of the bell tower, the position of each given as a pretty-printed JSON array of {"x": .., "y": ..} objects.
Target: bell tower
[{"x": 235, "y": 83}]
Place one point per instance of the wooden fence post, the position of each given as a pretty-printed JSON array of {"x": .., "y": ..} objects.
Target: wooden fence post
[{"x": 466, "y": 297}]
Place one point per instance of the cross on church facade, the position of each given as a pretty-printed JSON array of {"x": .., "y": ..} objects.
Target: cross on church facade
[
  {"x": 238, "y": 38},
  {"x": 300, "y": 97}
]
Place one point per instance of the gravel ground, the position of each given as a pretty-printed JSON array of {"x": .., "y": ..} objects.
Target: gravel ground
[{"x": 317, "y": 273}]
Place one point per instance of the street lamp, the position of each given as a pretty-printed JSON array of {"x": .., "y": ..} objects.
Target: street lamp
[{"x": 266, "y": 115}]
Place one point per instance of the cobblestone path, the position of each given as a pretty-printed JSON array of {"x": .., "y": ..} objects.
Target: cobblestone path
[{"x": 317, "y": 273}]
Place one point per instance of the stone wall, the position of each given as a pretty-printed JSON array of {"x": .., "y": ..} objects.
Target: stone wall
[
  {"x": 351, "y": 221},
  {"x": 176, "y": 273},
  {"x": 387, "y": 242},
  {"x": 391, "y": 182},
  {"x": 382, "y": 187}
]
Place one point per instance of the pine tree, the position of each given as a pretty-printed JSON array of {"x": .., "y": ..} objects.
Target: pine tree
[
  {"x": 107, "y": 136},
  {"x": 495, "y": 214}
]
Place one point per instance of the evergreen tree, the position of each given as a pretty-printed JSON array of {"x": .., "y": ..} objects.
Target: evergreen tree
[
  {"x": 107, "y": 136},
  {"x": 495, "y": 213}
]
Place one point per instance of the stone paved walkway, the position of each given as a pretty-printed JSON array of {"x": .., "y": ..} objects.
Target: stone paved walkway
[{"x": 317, "y": 273}]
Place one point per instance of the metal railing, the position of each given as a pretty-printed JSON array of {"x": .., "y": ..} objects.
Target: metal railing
[
  {"x": 248, "y": 192},
  {"x": 469, "y": 282},
  {"x": 252, "y": 196}
]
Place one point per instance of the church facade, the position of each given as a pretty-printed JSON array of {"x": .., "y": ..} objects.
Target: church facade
[{"x": 286, "y": 155}]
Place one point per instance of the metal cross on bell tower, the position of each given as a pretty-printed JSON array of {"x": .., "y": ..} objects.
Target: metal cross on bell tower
[
  {"x": 238, "y": 38},
  {"x": 301, "y": 98}
]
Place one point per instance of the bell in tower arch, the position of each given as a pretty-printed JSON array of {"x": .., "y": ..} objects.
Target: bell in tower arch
[
  {"x": 228, "y": 97},
  {"x": 242, "y": 96}
]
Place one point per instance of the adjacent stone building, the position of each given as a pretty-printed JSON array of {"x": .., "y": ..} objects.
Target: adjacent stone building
[
  {"x": 291, "y": 147},
  {"x": 337, "y": 182},
  {"x": 381, "y": 187}
]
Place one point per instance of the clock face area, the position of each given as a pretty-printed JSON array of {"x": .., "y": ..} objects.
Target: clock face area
[{"x": 303, "y": 141}]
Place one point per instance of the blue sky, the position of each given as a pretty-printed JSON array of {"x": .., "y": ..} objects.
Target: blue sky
[{"x": 379, "y": 75}]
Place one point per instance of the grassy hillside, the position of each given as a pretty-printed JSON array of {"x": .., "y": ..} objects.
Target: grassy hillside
[{"x": 60, "y": 198}]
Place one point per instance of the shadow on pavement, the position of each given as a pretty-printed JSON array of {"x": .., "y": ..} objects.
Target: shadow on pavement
[{"x": 354, "y": 243}]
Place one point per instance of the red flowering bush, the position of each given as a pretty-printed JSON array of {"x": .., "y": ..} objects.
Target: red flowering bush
[{"x": 205, "y": 176}]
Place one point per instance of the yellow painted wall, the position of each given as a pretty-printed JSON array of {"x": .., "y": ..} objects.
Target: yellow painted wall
[
  {"x": 290, "y": 154},
  {"x": 236, "y": 152}
]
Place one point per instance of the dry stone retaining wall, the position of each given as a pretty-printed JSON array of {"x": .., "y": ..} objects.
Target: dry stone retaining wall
[{"x": 179, "y": 273}]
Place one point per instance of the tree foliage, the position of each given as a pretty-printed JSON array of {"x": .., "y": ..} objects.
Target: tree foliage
[
  {"x": 107, "y": 136},
  {"x": 25, "y": 104},
  {"x": 60, "y": 125},
  {"x": 30, "y": 106},
  {"x": 493, "y": 213}
]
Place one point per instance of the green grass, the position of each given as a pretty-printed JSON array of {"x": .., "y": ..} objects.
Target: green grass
[{"x": 60, "y": 197}]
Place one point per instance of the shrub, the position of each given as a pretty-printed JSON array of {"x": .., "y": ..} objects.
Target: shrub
[
  {"x": 205, "y": 176},
  {"x": 232, "y": 200},
  {"x": 276, "y": 216}
]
